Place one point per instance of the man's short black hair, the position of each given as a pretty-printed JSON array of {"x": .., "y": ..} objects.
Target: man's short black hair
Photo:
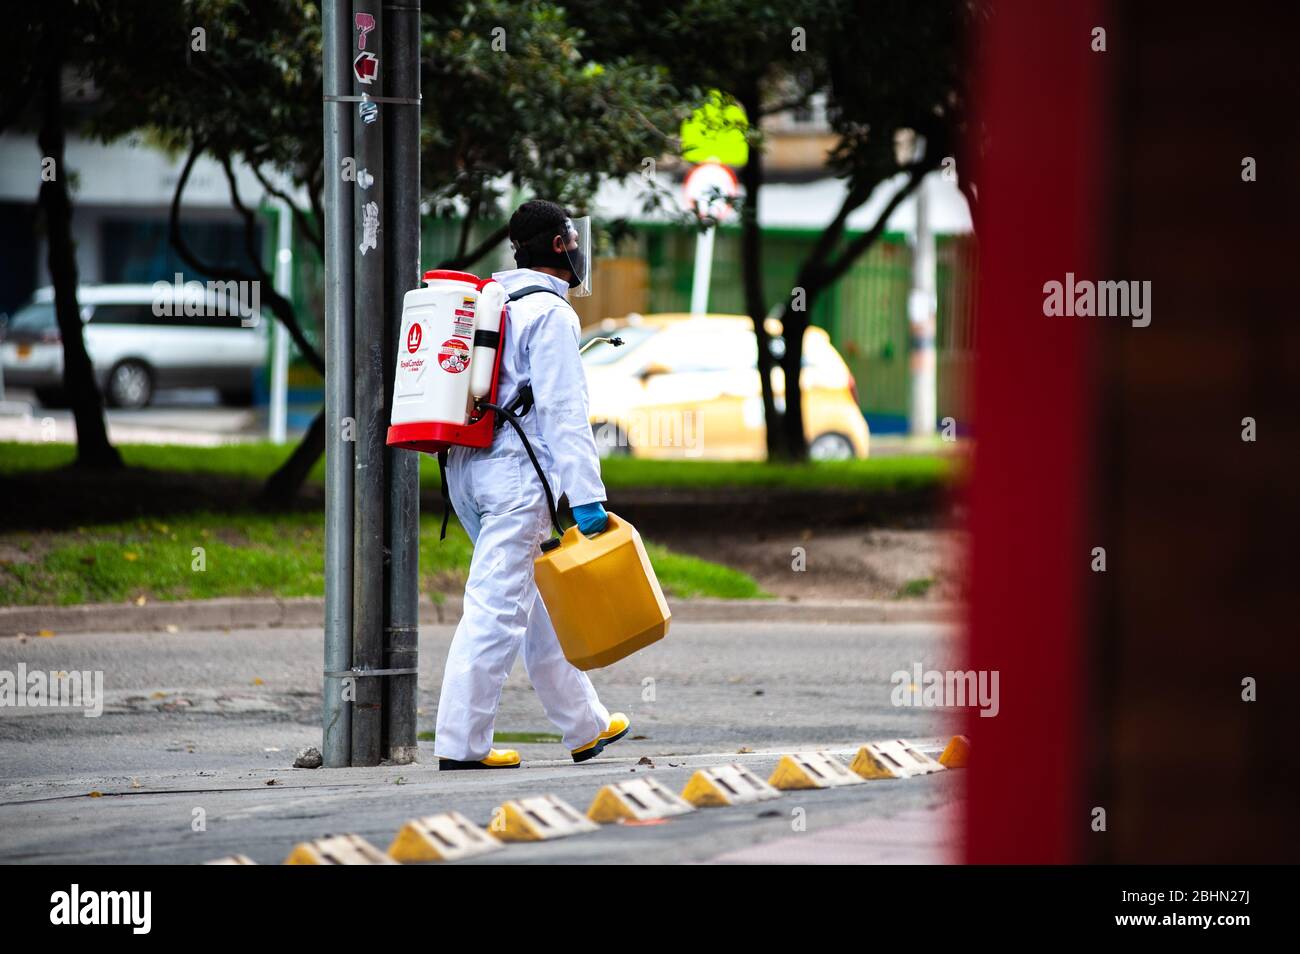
[{"x": 535, "y": 217}]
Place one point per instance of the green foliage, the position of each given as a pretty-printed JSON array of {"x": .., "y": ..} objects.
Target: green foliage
[
  {"x": 253, "y": 91},
  {"x": 915, "y": 589},
  {"x": 873, "y": 475},
  {"x": 687, "y": 576},
  {"x": 539, "y": 110},
  {"x": 253, "y": 554},
  {"x": 540, "y": 113}
]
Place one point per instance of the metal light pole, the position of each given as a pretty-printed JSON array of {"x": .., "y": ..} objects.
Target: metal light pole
[
  {"x": 369, "y": 371},
  {"x": 703, "y": 271},
  {"x": 279, "y": 410},
  {"x": 339, "y": 427},
  {"x": 402, "y": 467},
  {"x": 372, "y": 194}
]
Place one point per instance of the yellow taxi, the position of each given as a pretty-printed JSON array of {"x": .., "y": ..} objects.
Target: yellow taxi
[{"x": 683, "y": 386}]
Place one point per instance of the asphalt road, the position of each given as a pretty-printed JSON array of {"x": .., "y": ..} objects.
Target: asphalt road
[{"x": 196, "y": 724}]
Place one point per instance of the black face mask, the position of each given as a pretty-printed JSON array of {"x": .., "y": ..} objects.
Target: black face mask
[{"x": 538, "y": 251}]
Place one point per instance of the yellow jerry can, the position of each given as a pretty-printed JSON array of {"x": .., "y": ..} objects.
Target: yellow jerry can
[{"x": 601, "y": 594}]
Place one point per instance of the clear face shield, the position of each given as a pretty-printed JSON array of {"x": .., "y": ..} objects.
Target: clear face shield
[{"x": 578, "y": 250}]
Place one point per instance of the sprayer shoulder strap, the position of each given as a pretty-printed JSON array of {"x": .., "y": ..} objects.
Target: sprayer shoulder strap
[
  {"x": 522, "y": 402},
  {"x": 533, "y": 290},
  {"x": 446, "y": 493}
]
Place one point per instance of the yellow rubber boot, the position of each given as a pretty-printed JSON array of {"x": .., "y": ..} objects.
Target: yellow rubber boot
[
  {"x": 618, "y": 726},
  {"x": 496, "y": 759}
]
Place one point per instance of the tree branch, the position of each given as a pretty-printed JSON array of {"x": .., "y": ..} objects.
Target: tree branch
[
  {"x": 470, "y": 214},
  {"x": 279, "y": 304},
  {"x": 304, "y": 224},
  {"x": 862, "y": 242},
  {"x": 483, "y": 247},
  {"x": 174, "y": 225},
  {"x": 798, "y": 101},
  {"x": 853, "y": 199}
]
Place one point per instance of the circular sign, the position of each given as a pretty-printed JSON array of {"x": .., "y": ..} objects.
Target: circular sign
[
  {"x": 413, "y": 338},
  {"x": 453, "y": 356},
  {"x": 706, "y": 188}
]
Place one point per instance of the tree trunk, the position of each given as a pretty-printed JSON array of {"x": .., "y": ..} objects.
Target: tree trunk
[
  {"x": 794, "y": 437},
  {"x": 93, "y": 448},
  {"x": 751, "y": 259},
  {"x": 282, "y": 486}
]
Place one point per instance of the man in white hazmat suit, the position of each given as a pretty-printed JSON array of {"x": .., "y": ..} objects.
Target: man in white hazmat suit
[{"x": 498, "y": 497}]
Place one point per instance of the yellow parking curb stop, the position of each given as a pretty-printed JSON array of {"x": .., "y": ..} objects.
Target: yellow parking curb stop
[
  {"x": 957, "y": 752},
  {"x": 337, "y": 850},
  {"x": 896, "y": 758},
  {"x": 447, "y": 836},
  {"x": 812, "y": 770},
  {"x": 726, "y": 785},
  {"x": 637, "y": 799},
  {"x": 539, "y": 818}
]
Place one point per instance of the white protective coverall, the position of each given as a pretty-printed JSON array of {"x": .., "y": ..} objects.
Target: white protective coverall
[{"x": 498, "y": 497}]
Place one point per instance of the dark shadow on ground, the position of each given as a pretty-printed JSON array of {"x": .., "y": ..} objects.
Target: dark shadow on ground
[{"x": 66, "y": 498}]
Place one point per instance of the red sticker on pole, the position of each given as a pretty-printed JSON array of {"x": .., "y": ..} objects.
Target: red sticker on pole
[
  {"x": 453, "y": 357},
  {"x": 365, "y": 67},
  {"x": 365, "y": 23}
]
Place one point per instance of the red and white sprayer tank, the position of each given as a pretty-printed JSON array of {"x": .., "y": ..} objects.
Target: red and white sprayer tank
[{"x": 448, "y": 358}]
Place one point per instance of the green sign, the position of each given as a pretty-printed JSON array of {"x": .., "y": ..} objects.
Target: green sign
[{"x": 716, "y": 132}]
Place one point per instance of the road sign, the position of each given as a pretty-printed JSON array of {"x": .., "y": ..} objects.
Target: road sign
[
  {"x": 716, "y": 132},
  {"x": 706, "y": 188}
]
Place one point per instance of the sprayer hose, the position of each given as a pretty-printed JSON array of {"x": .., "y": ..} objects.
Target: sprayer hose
[{"x": 513, "y": 420}]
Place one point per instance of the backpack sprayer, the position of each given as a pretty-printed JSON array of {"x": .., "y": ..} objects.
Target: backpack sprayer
[{"x": 600, "y": 591}]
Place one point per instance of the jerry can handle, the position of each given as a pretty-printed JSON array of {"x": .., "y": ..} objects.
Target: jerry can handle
[
  {"x": 611, "y": 523},
  {"x": 573, "y": 535}
]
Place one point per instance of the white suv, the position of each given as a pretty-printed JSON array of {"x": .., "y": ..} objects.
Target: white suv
[{"x": 134, "y": 351}]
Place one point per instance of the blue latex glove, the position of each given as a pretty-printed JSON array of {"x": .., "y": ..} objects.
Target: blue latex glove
[{"x": 591, "y": 518}]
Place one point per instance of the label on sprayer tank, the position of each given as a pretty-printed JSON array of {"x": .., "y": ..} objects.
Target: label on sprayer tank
[{"x": 453, "y": 356}]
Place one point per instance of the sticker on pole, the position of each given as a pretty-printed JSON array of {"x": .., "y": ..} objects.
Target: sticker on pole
[
  {"x": 365, "y": 67},
  {"x": 453, "y": 356},
  {"x": 368, "y": 110},
  {"x": 365, "y": 22}
]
